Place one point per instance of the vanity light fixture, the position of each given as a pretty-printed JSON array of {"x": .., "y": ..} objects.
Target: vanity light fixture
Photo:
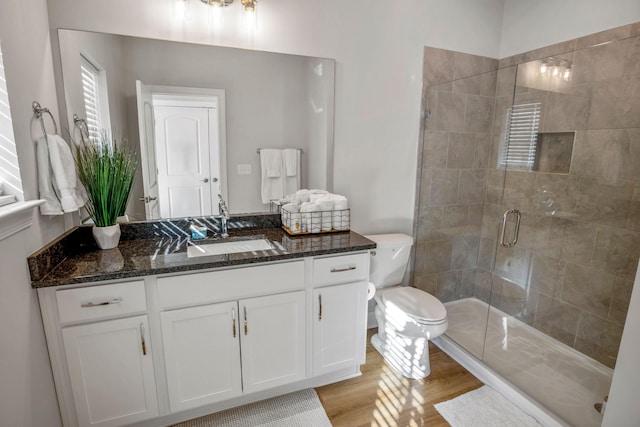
[
  {"x": 248, "y": 5},
  {"x": 556, "y": 68},
  {"x": 217, "y": 3}
]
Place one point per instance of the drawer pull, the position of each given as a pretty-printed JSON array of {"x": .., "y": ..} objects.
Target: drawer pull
[
  {"x": 117, "y": 300},
  {"x": 345, "y": 268}
]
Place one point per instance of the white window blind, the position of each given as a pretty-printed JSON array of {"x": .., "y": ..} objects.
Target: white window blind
[
  {"x": 519, "y": 147},
  {"x": 9, "y": 167},
  {"x": 92, "y": 101}
]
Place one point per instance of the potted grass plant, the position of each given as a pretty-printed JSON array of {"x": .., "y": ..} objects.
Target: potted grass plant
[{"x": 106, "y": 170}]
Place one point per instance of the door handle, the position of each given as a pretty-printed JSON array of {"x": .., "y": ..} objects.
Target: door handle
[
  {"x": 205, "y": 180},
  {"x": 516, "y": 228},
  {"x": 147, "y": 199}
]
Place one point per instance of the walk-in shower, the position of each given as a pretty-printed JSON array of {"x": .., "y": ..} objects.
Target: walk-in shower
[{"x": 528, "y": 213}]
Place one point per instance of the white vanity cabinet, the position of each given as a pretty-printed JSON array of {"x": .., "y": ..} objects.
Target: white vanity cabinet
[
  {"x": 219, "y": 351},
  {"x": 273, "y": 340},
  {"x": 109, "y": 361},
  {"x": 339, "y": 317},
  {"x": 223, "y": 350},
  {"x": 221, "y": 337},
  {"x": 201, "y": 350}
]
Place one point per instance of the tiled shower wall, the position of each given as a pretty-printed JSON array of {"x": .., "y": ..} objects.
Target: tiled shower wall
[
  {"x": 455, "y": 157},
  {"x": 572, "y": 271}
]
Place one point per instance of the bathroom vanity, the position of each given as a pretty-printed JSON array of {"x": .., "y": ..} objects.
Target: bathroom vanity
[{"x": 146, "y": 335}]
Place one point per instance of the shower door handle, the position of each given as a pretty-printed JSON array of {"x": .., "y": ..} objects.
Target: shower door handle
[{"x": 516, "y": 228}]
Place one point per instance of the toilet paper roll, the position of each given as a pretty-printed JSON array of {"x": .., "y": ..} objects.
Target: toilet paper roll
[{"x": 371, "y": 291}]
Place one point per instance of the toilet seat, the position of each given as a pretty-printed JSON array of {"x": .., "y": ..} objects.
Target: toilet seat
[{"x": 422, "y": 307}]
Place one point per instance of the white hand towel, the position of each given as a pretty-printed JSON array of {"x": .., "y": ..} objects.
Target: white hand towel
[
  {"x": 51, "y": 205},
  {"x": 291, "y": 161},
  {"x": 271, "y": 161},
  {"x": 57, "y": 178},
  {"x": 272, "y": 187},
  {"x": 72, "y": 193}
]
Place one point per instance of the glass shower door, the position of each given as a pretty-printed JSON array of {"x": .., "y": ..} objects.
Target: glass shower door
[{"x": 569, "y": 242}]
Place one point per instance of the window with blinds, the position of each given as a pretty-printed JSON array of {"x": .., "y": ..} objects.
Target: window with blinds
[
  {"x": 9, "y": 167},
  {"x": 95, "y": 102},
  {"x": 519, "y": 148}
]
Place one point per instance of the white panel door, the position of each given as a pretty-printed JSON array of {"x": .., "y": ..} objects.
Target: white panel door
[
  {"x": 184, "y": 167},
  {"x": 147, "y": 150},
  {"x": 111, "y": 372},
  {"x": 339, "y": 326},
  {"x": 272, "y": 340},
  {"x": 202, "y": 354}
]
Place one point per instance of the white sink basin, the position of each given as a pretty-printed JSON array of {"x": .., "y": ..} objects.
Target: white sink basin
[{"x": 228, "y": 247}]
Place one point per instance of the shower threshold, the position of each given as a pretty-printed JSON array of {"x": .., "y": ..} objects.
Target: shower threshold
[{"x": 546, "y": 378}]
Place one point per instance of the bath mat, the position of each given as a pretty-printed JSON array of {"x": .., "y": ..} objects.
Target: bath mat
[
  {"x": 484, "y": 407},
  {"x": 299, "y": 409}
]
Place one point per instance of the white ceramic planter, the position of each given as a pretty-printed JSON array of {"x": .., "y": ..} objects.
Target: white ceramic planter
[{"x": 107, "y": 237}]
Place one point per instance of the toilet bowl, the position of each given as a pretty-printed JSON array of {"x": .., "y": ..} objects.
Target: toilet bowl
[{"x": 407, "y": 317}]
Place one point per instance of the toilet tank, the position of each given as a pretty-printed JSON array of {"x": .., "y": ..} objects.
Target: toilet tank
[{"x": 390, "y": 262}]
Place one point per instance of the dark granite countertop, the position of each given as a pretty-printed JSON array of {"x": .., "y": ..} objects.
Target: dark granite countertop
[{"x": 160, "y": 247}]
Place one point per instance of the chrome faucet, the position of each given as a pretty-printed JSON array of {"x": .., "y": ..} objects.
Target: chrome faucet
[{"x": 224, "y": 216}]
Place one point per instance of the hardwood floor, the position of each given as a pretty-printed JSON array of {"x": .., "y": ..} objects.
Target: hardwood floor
[{"x": 383, "y": 398}]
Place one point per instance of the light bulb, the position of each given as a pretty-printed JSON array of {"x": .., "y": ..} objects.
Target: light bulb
[
  {"x": 543, "y": 69},
  {"x": 566, "y": 74},
  {"x": 181, "y": 9}
]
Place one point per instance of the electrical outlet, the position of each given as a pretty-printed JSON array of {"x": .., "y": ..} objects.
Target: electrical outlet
[{"x": 244, "y": 169}]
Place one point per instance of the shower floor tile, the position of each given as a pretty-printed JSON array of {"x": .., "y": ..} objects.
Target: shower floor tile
[{"x": 560, "y": 378}]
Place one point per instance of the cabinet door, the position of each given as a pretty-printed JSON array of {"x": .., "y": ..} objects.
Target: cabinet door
[
  {"x": 202, "y": 354},
  {"x": 111, "y": 371},
  {"x": 273, "y": 340},
  {"x": 339, "y": 326}
]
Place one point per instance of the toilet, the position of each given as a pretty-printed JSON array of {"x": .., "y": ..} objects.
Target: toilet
[{"x": 407, "y": 317}]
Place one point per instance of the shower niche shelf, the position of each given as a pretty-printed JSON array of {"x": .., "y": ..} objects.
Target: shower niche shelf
[{"x": 553, "y": 152}]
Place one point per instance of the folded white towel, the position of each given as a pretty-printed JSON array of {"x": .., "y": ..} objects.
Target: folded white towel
[
  {"x": 271, "y": 161},
  {"x": 272, "y": 187},
  {"x": 291, "y": 161},
  {"x": 57, "y": 177}
]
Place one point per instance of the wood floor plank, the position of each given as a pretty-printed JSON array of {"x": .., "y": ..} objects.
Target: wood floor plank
[{"x": 383, "y": 398}]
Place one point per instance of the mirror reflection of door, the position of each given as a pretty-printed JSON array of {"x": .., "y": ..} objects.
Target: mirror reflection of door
[
  {"x": 183, "y": 154},
  {"x": 147, "y": 150}
]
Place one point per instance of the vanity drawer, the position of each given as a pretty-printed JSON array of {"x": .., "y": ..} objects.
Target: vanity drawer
[
  {"x": 226, "y": 285},
  {"x": 95, "y": 302},
  {"x": 340, "y": 269}
]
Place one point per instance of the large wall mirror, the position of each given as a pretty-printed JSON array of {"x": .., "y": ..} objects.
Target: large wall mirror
[{"x": 241, "y": 100}]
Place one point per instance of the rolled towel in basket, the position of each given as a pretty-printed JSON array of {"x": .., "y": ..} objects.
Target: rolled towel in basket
[
  {"x": 326, "y": 206},
  {"x": 340, "y": 216},
  {"x": 291, "y": 207},
  {"x": 304, "y": 195},
  {"x": 311, "y": 217}
]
